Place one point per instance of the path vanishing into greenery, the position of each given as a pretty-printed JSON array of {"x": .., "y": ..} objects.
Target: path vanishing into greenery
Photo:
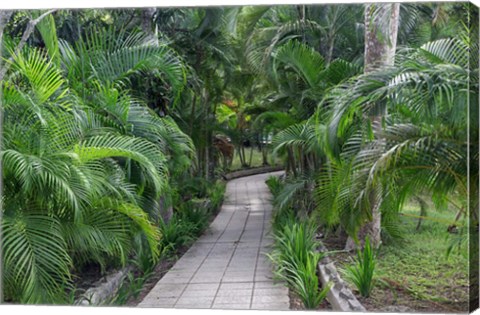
[{"x": 227, "y": 268}]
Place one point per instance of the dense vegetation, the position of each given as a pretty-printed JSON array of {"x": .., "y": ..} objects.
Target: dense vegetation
[{"x": 114, "y": 118}]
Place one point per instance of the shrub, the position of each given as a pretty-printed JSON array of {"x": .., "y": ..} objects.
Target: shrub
[
  {"x": 196, "y": 216},
  {"x": 275, "y": 184},
  {"x": 304, "y": 281},
  {"x": 175, "y": 234},
  {"x": 296, "y": 259},
  {"x": 362, "y": 273},
  {"x": 193, "y": 187},
  {"x": 216, "y": 194}
]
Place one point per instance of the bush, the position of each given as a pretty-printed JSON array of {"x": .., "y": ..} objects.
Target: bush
[
  {"x": 196, "y": 216},
  {"x": 193, "y": 187},
  {"x": 294, "y": 242},
  {"x": 304, "y": 281},
  {"x": 175, "y": 234},
  {"x": 275, "y": 184},
  {"x": 362, "y": 273},
  {"x": 216, "y": 194}
]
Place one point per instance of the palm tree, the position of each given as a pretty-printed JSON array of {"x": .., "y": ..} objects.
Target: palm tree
[
  {"x": 84, "y": 163},
  {"x": 423, "y": 145},
  {"x": 381, "y": 29}
]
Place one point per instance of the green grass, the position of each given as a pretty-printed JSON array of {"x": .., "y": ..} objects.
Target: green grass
[{"x": 421, "y": 265}]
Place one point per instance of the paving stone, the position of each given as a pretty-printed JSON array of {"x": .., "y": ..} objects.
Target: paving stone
[
  {"x": 163, "y": 288},
  {"x": 270, "y": 306},
  {"x": 263, "y": 277},
  {"x": 199, "y": 293},
  {"x": 191, "y": 300},
  {"x": 249, "y": 269},
  {"x": 198, "y": 305},
  {"x": 239, "y": 299},
  {"x": 277, "y": 291},
  {"x": 168, "y": 279},
  {"x": 202, "y": 286},
  {"x": 230, "y": 306},
  {"x": 158, "y": 302},
  {"x": 269, "y": 299},
  {"x": 235, "y": 292},
  {"x": 206, "y": 279},
  {"x": 267, "y": 284},
  {"x": 236, "y": 286},
  {"x": 235, "y": 276}
]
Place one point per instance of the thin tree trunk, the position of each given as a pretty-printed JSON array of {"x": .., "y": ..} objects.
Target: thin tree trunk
[
  {"x": 244, "y": 163},
  {"x": 291, "y": 161},
  {"x": 381, "y": 29},
  {"x": 192, "y": 114},
  {"x": 264, "y": 155},
  {"x": 251, "y": 155},
  {"x": 331, "y": 43},
  {"x": 147, "y": 20}
]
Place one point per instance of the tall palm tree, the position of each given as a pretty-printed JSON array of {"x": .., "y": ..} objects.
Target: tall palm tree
[{"x": 423, "y": 144}]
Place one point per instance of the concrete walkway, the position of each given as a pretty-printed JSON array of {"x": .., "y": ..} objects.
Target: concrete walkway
[{"x": 226, "y": 268}]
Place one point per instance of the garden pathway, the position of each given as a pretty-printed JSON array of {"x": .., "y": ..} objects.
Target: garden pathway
[{"x": 227, "y": 268}]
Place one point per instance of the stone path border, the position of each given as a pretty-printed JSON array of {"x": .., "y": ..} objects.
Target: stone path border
[
  {"x": 340, "y": 296},
  {"x": 226, "y": 268},
  {"x": 253, "y": 171},
  {"x": 104, "y": 289}
]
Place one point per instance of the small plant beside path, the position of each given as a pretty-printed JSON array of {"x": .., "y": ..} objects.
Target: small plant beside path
[{"x": 362, "y": 272}]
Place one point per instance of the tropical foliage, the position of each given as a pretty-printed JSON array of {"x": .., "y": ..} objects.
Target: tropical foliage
[
  {"x": 362, "y": 272},
  {"x": 84, "y": 162},
  {"x": 110, "y": 116}
]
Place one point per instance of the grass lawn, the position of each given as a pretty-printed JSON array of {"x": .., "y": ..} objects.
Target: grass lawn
[{"x": 418, "y": 274}]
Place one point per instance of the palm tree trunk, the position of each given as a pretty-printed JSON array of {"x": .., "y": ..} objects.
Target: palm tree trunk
[
  {"x": 192, "y": 114},
  {"x": 147, "y": 20},
  {"x": 264, "y": 155},
  {"x": 291, "y": 161},
  {"x": 331, "y": 43},
  {"x": 381, "y": 29},
  {"x": 251, "y": 156}
]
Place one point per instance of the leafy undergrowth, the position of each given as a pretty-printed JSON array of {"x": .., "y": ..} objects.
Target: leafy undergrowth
[{"x": 417, "y": 274}]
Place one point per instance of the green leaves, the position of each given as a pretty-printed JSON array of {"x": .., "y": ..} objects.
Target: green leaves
[
  {"x": 42, "y": 77},
  {"x": 111, "y": 55},
  {"x": 303, "y": 59},
  {"x": 296, "y": 260},
  {"x": 362, "y": 273},
  {"x": 146, "y": 153},
  {"x": 420, "y": 143},
  {"x": 304, "y": 281},
  {"x": 35, "y": 260},
  {"x": 83, "y": 162}
]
